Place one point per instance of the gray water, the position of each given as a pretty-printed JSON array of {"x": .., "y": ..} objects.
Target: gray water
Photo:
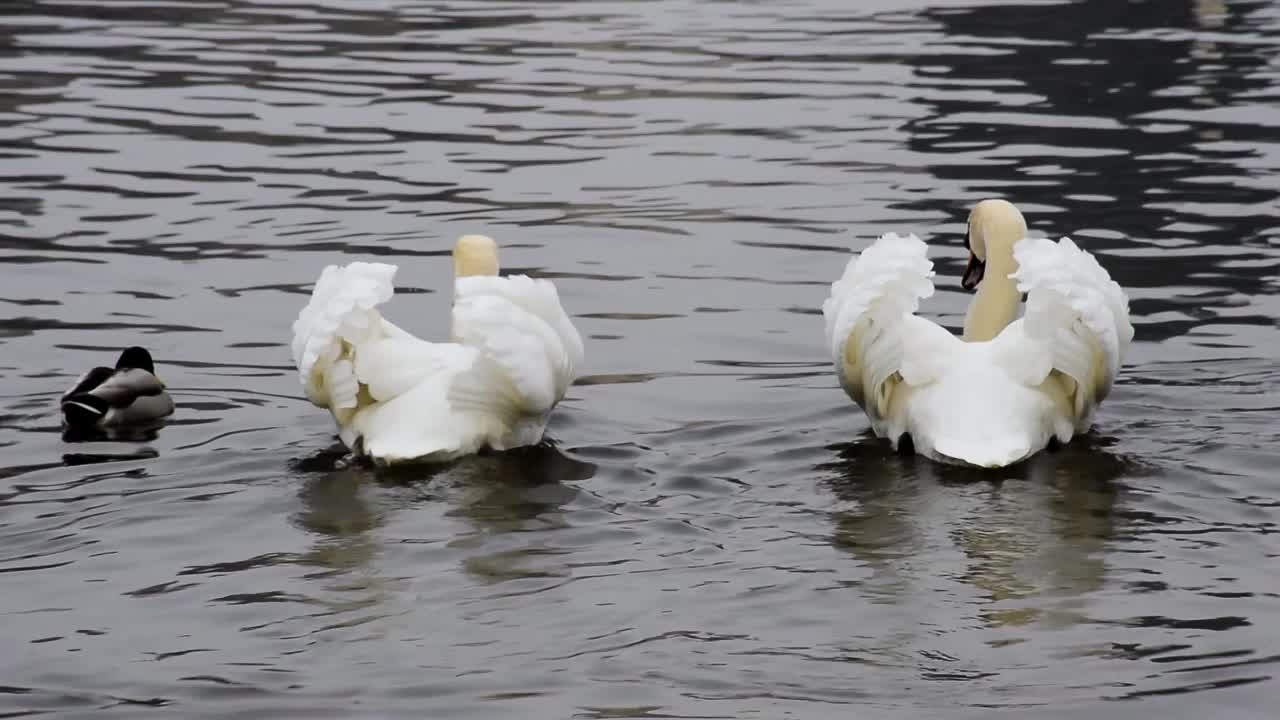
[{"x": 710, "y": 531}]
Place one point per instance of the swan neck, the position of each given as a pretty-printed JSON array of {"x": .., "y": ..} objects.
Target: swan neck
[
  {"x": 996, "y": 303},
  {"x": 475, "y": 255},
  {"x": 473, "y": 265}
]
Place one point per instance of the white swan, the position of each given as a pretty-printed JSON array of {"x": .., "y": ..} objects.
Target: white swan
[
  {"x": 1009, "y": 387},
  {"x": 512, "y": 356}
]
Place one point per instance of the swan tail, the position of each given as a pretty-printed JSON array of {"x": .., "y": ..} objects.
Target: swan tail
[
  {"x": 870, "y": 308},
  {"x": 1076, "y": 309},
  {"x": 529, "y": 351},
  {"x": 978, "y": 416},
  {"x": 990, "y": 453},
  {"x": 339, "y": 319}
]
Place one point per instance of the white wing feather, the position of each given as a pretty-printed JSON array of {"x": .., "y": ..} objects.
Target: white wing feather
[
  {"x": 1076, "y": 313},
  {"x": 392, "y": 366},
  {"x": 874, "y": 336},
  {"x": 396, "y": 397},
  {"x": 339, "y": 316},
  {"x": 982, "y": 403},
  {"x": 529, "y": 349},
  {"x": 341, "y": 342}
]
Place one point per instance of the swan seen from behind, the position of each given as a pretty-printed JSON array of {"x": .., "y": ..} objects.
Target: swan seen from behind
[
  {"x": 512, "y": 354},
  {"x": 1009, "y": 386}
]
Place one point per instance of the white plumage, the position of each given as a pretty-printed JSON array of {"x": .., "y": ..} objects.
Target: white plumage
[
  {"x": 512, "y": 356},
  {"x": 1003, "y": 392}
]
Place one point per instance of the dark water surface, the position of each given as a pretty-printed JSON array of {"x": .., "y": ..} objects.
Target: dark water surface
[{"x": 711, "y": 533}]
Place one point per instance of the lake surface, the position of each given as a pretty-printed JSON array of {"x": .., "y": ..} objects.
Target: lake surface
[{"x": 711, "y": 532}]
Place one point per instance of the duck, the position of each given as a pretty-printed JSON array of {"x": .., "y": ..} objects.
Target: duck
[
  {"x": 1009, "y": 386},
  {"x": 128, "y": 395},
  {"x": 510, "y": 358}
]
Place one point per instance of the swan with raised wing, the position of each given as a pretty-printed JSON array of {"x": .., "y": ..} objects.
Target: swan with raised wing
[
  {"x": 512, "y": 355},
  {"x": 1009, "y": 386}
]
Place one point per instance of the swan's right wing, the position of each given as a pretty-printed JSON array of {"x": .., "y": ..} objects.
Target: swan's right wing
[
  {"x": 529, "y": 350},
  {"x": 875, "y": 338},
  {"x": 1076, "y": 314}
]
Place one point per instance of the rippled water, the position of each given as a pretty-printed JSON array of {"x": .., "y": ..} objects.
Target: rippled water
[{"x": 712, "y": 533}]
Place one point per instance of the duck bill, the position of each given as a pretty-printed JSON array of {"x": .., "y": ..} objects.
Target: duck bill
[{"x": 972, "y": 273}]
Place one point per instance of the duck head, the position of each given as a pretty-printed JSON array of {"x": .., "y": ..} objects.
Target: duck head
[
  {"x": 136, "y": 358},
  {"x": 475, "y": 255}
]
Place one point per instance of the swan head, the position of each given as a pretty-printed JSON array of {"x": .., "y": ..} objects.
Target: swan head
[
  {"x": 994, "y": 227},
  {"x": 475, "y": 255}
]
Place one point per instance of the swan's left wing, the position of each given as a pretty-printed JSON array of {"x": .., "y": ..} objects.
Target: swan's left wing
[
  {"x": 876, "y": 340},
  {"x": 529, "y": 350},
  {"x": 340, "y": 317},
  {"x": 1076, "y": 321}
]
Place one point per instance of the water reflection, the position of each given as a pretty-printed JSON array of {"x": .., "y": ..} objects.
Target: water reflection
[
  {"x": 88, "y": 456},
  {"x": 138, "y": 433},
  {"x": 496, "y": 492},
  {"x": 369, "y": 523},
  {"x": 1032, "y": 536},
  {"x": 335, "y": 508}
]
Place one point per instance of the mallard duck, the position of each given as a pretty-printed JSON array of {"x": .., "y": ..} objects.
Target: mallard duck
[
  {"x": 1008, "y": 387},
  {"x": 129, "y": 394}
]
